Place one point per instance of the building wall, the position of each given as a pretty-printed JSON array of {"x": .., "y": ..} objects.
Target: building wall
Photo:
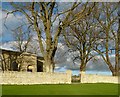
[
  {"x": 22, "y": 59},
  {"x": 35, "y": 78},
  {"x": 92, "y": 78},
  {"x": 29, "y": 59},
  {"x": 7, "y": 58}
]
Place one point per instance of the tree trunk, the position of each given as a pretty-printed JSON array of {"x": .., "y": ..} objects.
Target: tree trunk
[
  {"x": 115, "y": 73},
  {"x": 82, "y": 66},
  {"x": 116, "y": 57},
  {"x": 82, "y": 69},
  {"x": 118, "y": 37},
  {"x": 119, "y": 47},
  {"x": 48, "y": 65}
]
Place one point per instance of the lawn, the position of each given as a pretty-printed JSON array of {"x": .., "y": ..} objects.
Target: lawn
[{"x": 72, "y": 89}]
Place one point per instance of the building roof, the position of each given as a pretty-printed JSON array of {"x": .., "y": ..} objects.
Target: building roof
[{"x": 18, "y": 52}]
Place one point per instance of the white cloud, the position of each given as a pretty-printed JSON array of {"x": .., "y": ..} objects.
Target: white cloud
[
  {"x": 8, "y": 45},
  {"x": 64, "y": 60},
  {"x": 92, "y": 65}
]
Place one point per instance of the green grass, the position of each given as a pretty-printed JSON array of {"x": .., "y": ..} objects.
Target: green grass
[{"x": 61, "y": 89}]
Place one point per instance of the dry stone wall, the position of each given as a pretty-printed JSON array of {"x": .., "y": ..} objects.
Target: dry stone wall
[
  {"x": 35, "y": 78},
  {"x": 92, "y": 78}
]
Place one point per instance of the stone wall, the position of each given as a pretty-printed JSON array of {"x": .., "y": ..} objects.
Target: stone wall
[
  {"x": 92, "y": 78},
  {"x": 35, "y": 78}
]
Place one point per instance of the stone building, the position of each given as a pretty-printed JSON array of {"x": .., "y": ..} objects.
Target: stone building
[
  {"x": 26, "y": 68},
  {"x": 20, "y": 61}
]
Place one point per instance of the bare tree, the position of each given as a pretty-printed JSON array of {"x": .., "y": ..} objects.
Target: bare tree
[
  {"x": 41, "y": 17},
  {"x": 118, "y": 36},
  {"x": 81, "y": 38},
  {"x": 107, "y": 19},
  {"x": 22, "y": 39}
]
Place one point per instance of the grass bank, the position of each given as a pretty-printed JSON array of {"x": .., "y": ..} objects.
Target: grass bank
[{"x": 61, "y": 89}]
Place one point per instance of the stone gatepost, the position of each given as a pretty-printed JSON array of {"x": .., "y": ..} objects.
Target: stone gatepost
[
  {"x": 69, "y": 76},
  {"x": 82, "y": 74}
]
